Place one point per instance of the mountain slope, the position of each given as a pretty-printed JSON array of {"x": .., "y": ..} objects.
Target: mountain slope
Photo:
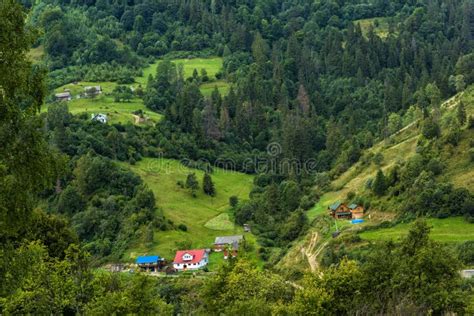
[{"x": 396, "y": 149}]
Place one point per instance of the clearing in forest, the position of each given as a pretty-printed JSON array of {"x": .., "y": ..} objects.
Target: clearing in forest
[
  {"x": 205, "y": 217},
  {"x": 212, "y": 65},
  {"x": 117, "y": 112}
]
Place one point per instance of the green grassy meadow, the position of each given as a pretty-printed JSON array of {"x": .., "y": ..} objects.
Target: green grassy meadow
[
  {"x": 451, "y": 230},
  {"x": 205, "y": 217},
  {"x": 381, "y": 29},
  {"x": 117, "y": 112},
  {"x": 212, "y": 65}
]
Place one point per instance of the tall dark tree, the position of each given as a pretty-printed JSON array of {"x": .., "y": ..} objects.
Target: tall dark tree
[
  {"x": 379, "y": 186},
  {"x": 208, "y": 185}
]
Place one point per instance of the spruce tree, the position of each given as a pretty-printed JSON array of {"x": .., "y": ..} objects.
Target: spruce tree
[
  {"x": 461, "y": 113},
  {"x": 380, "y": 184},
  {"x": 208, "y": 185},
  {"x": 192, "y": 183}
]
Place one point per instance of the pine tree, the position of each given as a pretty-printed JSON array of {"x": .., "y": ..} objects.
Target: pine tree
[
  {"x": 461, "y": 113},
  {"x": 380, "y": 184},
  {"x": 192, "y": 183},
  {"x": 208, "y": 185}
]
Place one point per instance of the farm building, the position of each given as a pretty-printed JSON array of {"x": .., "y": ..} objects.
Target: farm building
[
  {"x": 92, "y": 91},
  {"x": 150, "y": 263},
  {"x": 340, "y": 210},
  {"x": 102, "y": 118},
  {"x": 190, "y": 259},
  {"x": 63, "y": 96},
  {"x": 223, "y": 242},
  {"x": 357, "y": 211}
]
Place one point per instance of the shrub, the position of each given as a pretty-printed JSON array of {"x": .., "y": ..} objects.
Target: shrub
[
  {"x": 471, "y": 154},
  {"x": 183, "y": 227},
  {"x": 233, "y": 201}
]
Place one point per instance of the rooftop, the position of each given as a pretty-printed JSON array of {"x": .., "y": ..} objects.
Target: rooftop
[
  {"x": 196, "y": 256},
  {"x": 227, "y": 240},
  {"x": 147, "y": 259},
  {"x": 335, "y": 205}
]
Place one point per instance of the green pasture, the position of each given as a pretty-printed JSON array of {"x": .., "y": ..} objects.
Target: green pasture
[
  {"x": 205, "y": 217},
  {"x": 212, "y": 65},
  {"x": 452, "y": 230}
]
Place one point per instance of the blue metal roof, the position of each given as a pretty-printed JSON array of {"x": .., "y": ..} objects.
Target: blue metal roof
[{"x": 147, "y": 259}]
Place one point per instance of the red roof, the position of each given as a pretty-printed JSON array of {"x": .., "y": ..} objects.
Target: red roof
[{"x": 197, "y": 256}]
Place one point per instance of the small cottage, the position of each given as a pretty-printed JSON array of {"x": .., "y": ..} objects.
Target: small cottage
[
  {"x": 357, "y": 211},
  {"x": 190, "y": 259},
  {"x": 150, "y": 263},
  {"x": 339, "y": 210},
  {"x": 63, "y": 96},
  {"x": 102, "y": 118},
  {"x": 222, "y": 242}
]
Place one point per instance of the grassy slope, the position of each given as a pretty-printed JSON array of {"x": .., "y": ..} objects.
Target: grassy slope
[
  {"x": 122, "y": 112},
  {"x": 399, "y": 148},
  {"x": 381, "y": 30},
  {"x": 118, "y": 112},
  {"x": 459, "y": 171},
  {"x": 212, "y": 66},
  {"x": 453, "y": 229},
  {"x": 205, "y": 217},
  {"x": 36, "y": 54}
]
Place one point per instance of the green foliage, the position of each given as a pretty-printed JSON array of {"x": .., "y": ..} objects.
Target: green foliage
[
  {"x": 461, "y": 113},
  {"x": 208, "y": 185},
  {"x": 233, "y": 201},
  {"x": 122, "y": 93},
  {"x": 379, "y": 186},
  {"x": 466, "y": 252},
  {"x": 431, "y": 128},
  {"x": 192, "y": 183}
]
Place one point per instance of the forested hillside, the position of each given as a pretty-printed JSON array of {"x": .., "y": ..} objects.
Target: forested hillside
[{"x": 141, "y": 127}]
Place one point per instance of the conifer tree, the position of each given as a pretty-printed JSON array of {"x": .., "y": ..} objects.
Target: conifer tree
[
  {"x": 208, "y": 185},
  {"x": 461, "y": 113},
  {"x": 192, "y": 183},
  {"x": 380, "y": 184}
]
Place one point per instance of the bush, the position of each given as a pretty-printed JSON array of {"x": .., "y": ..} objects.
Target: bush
[
  {"x": 466, "y": 252},
  {"x": 233, "y": 201},
  {"x": 307, "y": 202},
  {"x": 430, "y": 129},
  {"x": 183, "y": 227}
]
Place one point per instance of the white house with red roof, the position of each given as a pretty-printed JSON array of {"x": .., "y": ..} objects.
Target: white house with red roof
[{"x": 190, "y": 259}]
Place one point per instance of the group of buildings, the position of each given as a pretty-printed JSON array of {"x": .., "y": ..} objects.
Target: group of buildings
[
  {"x": 192, "y": 259},
  {"x": 89, "y": 91},
  {"x": 341, "y": 210}
]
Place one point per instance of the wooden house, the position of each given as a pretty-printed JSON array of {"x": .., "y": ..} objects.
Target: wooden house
[
  {"x": 63, "y": 96},
  {"x": 357, "y": 211},
  {"x": 339, "y": 210},
  {"x": 224, "y": 242}
]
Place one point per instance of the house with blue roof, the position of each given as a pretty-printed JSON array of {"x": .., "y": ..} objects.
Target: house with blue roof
[{"x": 150, "y": 263}]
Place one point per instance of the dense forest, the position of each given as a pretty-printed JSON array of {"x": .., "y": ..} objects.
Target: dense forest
[{"x": 310, "y": 92}]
